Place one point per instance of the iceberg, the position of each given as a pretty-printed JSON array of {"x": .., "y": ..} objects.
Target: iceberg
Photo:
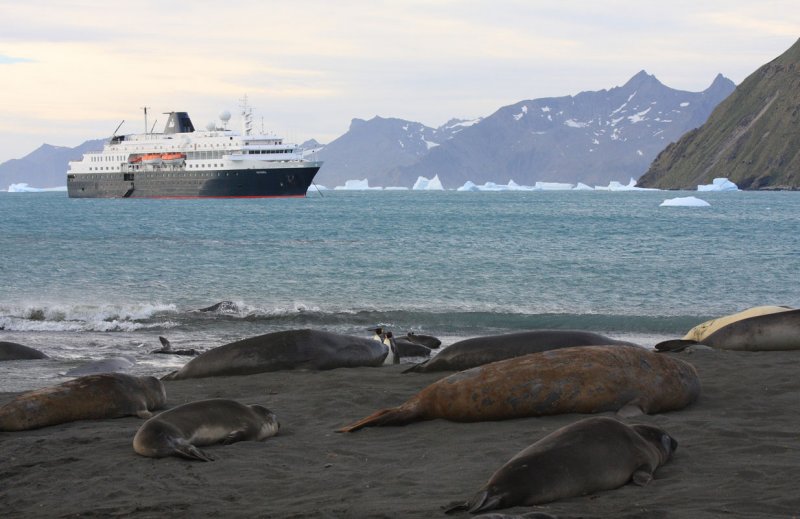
[
  {"x": 618, "y": 186},
  {"x": 425, "y": 184},
  {"x": 719, "y": 184},
  {"x": 552, "y": 186},
  {"x": 685, "y": 201},
  {"x": 25, "y": 188},
  {"x": 583, "y": 187},
  {"x": 356, "y": 185}
]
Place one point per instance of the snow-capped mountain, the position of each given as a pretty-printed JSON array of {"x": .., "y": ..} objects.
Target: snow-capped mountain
[
  {"x": 371, "y": 149},
  {"x": 593, "y": 137}
]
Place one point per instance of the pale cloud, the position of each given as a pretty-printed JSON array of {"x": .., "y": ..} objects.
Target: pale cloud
[{"x": 74, "y": 69}]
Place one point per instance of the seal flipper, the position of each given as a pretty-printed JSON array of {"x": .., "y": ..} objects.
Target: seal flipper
[
  {"x": 675, "y": 345},
  {"x": 480, "y": 502},
  {"x": 630, "y": 410},
  {"x": 189, "y": 451},
  {"x": 144, "y": 414},
  {"x": 400, "y": 415},
  {"x": 642, "y": 475},
  {"x": 233, "y": 437},
  {"x": 165, "y": 344}
]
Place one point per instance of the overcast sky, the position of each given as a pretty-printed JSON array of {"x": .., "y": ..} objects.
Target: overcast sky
[{"x": 73, "y": 70}]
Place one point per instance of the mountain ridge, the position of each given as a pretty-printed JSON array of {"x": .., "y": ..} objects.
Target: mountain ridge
[{"x": 751, "y": 138}]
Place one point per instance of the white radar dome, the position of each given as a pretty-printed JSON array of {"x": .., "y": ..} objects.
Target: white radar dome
[
  {"x": 225, "y": 116},
  {"x": 211, "y": 126}
]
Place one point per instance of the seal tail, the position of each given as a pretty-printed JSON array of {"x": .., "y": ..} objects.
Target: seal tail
[{"x": 401, "y": 415}]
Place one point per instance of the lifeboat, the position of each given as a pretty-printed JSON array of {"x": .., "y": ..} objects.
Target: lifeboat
[
  {"x": 151, "y": 158},
  {"x": 134, "y": 159},
  {"x": 173, "y": 158}
]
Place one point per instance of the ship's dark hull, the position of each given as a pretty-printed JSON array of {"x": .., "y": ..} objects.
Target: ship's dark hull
[{"x": 240, "y": 183}]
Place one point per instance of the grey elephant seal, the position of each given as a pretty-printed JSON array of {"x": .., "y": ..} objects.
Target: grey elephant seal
[
  {"x": 775, "y": 331},
  {"x": 93, "y": 397},
  {"x": 588, "y": 456},
  {"x": 477, "y": 351},
  {"x": 292, "y": 349},
  {"x": 14, "y": 351},
  {"x": 586, "y": 379},
  {"x": 180, "y": 430},
  {"x": 166, "y": 348},
  {"x": 111, "y": 365},
  {"x": 223, "y": 307}
]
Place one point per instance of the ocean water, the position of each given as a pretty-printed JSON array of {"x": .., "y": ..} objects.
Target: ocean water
[{"x": 91, "y": 279}]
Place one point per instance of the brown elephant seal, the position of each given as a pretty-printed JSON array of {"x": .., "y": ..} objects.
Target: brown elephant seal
[
  {"x": 771, "y": 331},
  {"x": 591, "y": 455},
  {"x": 93, "y": 397},
  {"x": 180, "y": 430},
  {"x": 477, "y": 351},
  {"x": 14, "y": 351},
  {"x": 586, "y": 379},
  {"x": 291, "y": 349}
]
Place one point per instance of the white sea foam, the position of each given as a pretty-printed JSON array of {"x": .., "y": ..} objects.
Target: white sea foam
[{"x": 83, "y": 317}]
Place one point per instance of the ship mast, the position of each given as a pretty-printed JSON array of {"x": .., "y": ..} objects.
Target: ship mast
[{"x": 247, "y": 117}]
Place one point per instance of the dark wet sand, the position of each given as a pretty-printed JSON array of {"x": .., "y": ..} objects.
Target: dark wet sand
[{"x": 739, "y": 453}]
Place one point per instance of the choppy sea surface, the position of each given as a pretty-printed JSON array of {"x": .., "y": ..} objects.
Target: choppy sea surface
[{"x": 90, "y": 279}]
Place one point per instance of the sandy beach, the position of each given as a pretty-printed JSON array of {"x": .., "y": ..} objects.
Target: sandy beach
[{"x": 738, "y": 454}]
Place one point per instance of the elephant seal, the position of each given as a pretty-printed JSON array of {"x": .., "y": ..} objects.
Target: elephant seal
[
  {"x": 178, "y": 431},
  {"x": 166, "y": 348},
  {"x": 428, "y": 341},
  {"x": 92, "y": 397},
  {"x": 590, "y": 455},
  {"x": 477, "y": 351},
  {"x": 407, "y": 348},
  {"x": 410, "y": 345},
  {"x": 769, "y": 332},
  {"x": 762, "y": 328},
  {"x": 223, "y": 307},
  {"x": 111, "y": 365},
  {"x": 586, "y": 379},
  {"x": 291, "y": 349},
  {"x": 14, "y": 351}
]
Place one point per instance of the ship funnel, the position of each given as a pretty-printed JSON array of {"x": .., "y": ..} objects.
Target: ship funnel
[{"x": 179, "y": 122}]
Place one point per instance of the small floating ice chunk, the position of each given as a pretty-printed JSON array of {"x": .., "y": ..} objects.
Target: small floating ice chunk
[
  {"x": 719, "y": 184},
  {"x": 685, "y": 201}
]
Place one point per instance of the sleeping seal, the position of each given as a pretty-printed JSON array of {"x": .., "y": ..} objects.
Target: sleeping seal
[
  {"x": 588, "y": 456},
  {"x": 180, "y": 430},
  {"x": 14, "y": 351},
  {"x": 477, "y": 351},
  {"x": 92, "y": 397},
  {"x": 291, "y": 349},
  {"x": 586, "y": 379},
  {"x": 751, "y": 330}
]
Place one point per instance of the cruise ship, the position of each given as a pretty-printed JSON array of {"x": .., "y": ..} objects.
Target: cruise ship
[{"x": 184, "y": 163}]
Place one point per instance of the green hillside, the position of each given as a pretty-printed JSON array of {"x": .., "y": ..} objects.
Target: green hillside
[{"x": 752, "y": 137}]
